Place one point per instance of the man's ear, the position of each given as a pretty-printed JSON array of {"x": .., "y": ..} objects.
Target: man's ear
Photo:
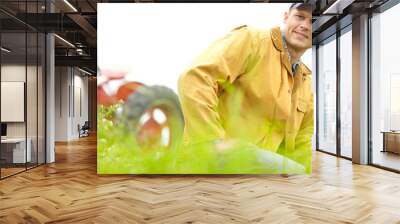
[{"x": 285, "y": 17}]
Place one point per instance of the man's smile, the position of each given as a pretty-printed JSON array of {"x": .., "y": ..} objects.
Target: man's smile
[{"x": 303, "y": 35}]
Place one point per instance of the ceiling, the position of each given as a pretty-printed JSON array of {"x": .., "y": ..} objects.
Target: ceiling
[{"x": 74, "y": 22}]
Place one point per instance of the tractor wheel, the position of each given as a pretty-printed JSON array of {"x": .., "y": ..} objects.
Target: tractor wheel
[{"x": 153, "y": 114}]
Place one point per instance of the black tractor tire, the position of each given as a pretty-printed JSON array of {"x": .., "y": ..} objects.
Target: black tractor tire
[{"x": 148, "y": 97}]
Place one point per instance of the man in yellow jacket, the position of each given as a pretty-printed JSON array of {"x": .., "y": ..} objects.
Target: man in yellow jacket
[{"x": 251, "y": 85}]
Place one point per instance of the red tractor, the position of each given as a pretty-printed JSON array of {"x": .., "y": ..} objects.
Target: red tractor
[{"x": 151, "y": 113}]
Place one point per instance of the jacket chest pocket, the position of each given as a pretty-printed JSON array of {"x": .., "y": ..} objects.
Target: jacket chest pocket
[
  {"x": 297, "y": 117},
  {"x": 302, "y": 105}
]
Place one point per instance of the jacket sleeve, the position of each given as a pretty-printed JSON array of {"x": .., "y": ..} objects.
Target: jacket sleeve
[{"x": 199, "y": 86}]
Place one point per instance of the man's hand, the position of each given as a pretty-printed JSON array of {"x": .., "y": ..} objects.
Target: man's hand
[{"x": 224, "y": 145}]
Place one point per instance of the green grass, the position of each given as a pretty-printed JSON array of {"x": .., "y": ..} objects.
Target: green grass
[{"x": 118, "y": 153}]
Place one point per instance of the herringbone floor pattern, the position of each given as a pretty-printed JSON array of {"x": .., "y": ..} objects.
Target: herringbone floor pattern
[{"x": 70, "y": 191}]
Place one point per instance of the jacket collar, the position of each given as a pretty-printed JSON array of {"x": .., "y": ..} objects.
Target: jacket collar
[{"x": 276, "y": 36}]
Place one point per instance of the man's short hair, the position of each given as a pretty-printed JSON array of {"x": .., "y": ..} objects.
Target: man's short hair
[{"x": 301, "y": 6}]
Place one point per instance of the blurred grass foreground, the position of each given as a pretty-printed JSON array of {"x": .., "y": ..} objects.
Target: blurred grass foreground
[{"x": 118, "y": 152}]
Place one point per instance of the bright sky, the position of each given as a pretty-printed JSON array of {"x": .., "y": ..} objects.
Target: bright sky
[{"x": 154, "y": 42}]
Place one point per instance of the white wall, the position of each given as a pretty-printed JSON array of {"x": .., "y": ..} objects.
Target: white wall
[
  {"x": 16, "y": 73},
  {"x": 70, "y": 83},
  {"x": 162, "y": 40},
  {"x": 80, "y": 88},
  {"x": 61, "y": 103}
]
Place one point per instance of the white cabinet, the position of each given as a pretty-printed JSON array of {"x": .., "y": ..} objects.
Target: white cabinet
[
  {"x": 18, "y": 149},
  {"x": 12, "y": 101}
]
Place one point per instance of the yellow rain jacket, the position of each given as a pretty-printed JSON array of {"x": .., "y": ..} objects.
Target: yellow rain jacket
[{"x": 242, "y": 87}]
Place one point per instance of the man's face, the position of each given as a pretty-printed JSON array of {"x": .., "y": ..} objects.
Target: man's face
[{"x": 298, "y": 25}]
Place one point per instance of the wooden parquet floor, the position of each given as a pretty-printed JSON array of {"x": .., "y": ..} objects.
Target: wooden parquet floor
[{"x": 70, "y": 191}]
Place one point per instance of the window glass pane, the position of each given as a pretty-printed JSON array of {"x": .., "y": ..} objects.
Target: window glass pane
[
  {"x": 385, "y": 89},
  {"x": 327, "y": 96},
  {"x": 346, "y": 94},
  {"x": 22, "y": 88},
  {"x": 14, "y": 153},
  {"x": 31, "y": 96},
  {"x": 41, "y": 98}
]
